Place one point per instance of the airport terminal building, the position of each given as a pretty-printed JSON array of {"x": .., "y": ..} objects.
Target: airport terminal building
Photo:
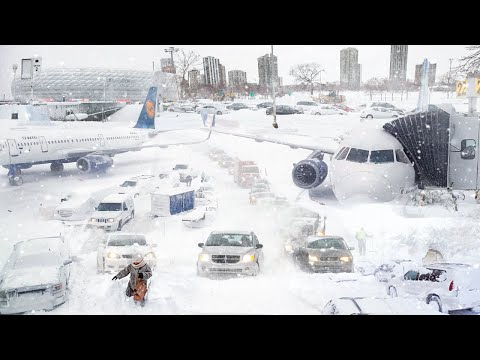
[{"x": 94, "y": 84}]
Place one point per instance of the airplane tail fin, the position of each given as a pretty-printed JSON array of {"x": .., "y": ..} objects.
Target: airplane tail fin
[{"x": 146, "y": 120}]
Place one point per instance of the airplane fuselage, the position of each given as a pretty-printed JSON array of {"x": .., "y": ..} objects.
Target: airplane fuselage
[{"x": 26, "y": 147}]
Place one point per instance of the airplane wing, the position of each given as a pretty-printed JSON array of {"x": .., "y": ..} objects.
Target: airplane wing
[
  {"x": 77, "y": 153},
  {"x": 325, "y": 149}
]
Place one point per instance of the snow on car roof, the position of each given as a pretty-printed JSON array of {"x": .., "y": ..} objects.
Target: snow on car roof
[
  {"x": 320, "y": 237},
  {"x": 242, "y": 232},
  {"x": 37, "y": 245},
  {"x": 116, "y": 198}
]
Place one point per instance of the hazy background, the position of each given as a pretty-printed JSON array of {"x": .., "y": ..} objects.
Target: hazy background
[{"x": 375, "y": 59}]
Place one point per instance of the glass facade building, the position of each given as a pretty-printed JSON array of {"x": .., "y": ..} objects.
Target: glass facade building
[{"x": 93, "y": 84}]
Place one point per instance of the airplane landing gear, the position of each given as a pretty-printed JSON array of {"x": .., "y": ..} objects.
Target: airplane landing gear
[
  {"x": 56, "y": 167},
  {"x": 15, "y": 176}
]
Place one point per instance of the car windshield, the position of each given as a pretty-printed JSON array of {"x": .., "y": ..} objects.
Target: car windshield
[
  {"x": 129, "y": 184},
  {"x": 181, "y": 167},
  {"x": 34, "y": 260},
  {"x": 229, "y": 240},
  {"x": 250, "y": 169},
  {"x": 265, "y": 195},
  {"x": 126, "y": 240},
  {"x": 338, "y": 244},
  {"x": 109, "y": 207}
]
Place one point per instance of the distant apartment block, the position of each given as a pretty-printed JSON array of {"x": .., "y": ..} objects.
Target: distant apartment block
[
  {"x": 267, "y": 70},
  {"x": 237, "y": 78},
  {"x": 222, "y": 75},
  {"x": 398, "y": 62},
  {"x": 350, "y": 69},
  {"x": 194, "y": 79},
  {"x": 211, "y": 69}
]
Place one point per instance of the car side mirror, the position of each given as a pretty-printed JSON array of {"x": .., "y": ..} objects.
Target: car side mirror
[
  {"x": 96, "y": 208},
  {"x": 201, "y": 245},
  {"x": 68, "y": 261},
  {"x": 351, "y": 248},
  {"x": 258, "y": 246}
]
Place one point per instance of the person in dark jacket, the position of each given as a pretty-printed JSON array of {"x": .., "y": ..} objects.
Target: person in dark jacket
[{"x": 138, "y": 269}]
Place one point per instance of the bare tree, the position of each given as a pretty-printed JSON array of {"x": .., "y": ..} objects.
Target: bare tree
[
  {"x": 470, "y": 63},
  {"x": 306, "y": 74},
  {"x": 372, "y": 86},
  {"x": 184, "y": 62}
]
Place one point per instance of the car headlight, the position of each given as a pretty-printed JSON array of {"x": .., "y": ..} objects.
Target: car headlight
[
  {"x": 111, "y": 220},
  {"x": 248, "y": 258},
  {"x": 93, "y": 220},
  {"x": 112, "y": 255},
  {"x": 345, "y": 258},
  {"x": 204, "y": 258},
  {"x": 253, "y": 197},
  {"x": 312, "y": 258},
  {"x": 288, "y": 248}
]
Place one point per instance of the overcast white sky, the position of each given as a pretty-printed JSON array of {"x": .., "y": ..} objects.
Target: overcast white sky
[{"x": 375, "y": 59}]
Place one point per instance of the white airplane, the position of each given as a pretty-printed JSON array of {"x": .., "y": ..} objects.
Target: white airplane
[
  {"x": 91, "y": 149},
  {"x": 369, "y": 165}
]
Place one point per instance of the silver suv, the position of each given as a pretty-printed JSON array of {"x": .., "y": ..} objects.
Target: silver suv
[{"x": 230, "y": 252}]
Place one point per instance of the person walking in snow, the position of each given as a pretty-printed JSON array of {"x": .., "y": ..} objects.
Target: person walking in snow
[
  {"x": 204, "y": 114},
  {"x": 361, "y": 237},
  {"x": 138, "y": 270}
]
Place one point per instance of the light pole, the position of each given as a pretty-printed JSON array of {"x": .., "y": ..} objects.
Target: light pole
[
  {"x": 171, "y": 50},
  {"x": 449, "y": 74},
  {"x": 15, "y": 67},
  {"x": 275, "y": 125}
]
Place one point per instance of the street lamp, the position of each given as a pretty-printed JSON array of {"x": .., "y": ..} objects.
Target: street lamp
[
  {"x": 15, "y": 67},
  {"x": 275, "y": 125}
]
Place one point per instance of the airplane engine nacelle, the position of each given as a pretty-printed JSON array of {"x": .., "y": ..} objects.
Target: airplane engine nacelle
[
  {"x": 309, "y": 173},
  {"x": 93, "y": 163}
]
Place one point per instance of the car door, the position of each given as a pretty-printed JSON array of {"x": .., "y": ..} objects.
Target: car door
[{"x": 259, "y": 252}]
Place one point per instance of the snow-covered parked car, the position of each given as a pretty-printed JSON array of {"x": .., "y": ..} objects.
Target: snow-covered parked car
[
  {"x": 138, "y": 185},
  {"x": 201, "y": 216},
  {"x": 394, "y": 268},
  {"x": 306, "y": 106},
  {"x": 119, "y": 248},
  {"x": 212, "y": 109},
  {"x": 447, "y": 286},
  {"x": 182, "y": 107},
  {"x": 327, "y": 110},
  {"x": 35, "y": 276},
  {"x": 75, "y": 207},
  {"x": 230, "y": 252},
  {"x": 379, "y": 113},
  {"x": 376, "y": 306}
]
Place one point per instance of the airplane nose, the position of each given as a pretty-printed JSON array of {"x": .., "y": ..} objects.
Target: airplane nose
[{"x": 364, "y": 187}]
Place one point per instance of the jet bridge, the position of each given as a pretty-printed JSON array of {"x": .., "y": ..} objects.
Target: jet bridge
[{"x": 442, "y": 147}]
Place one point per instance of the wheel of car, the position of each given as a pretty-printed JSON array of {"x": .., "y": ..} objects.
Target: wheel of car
[
  {"x": 395, "y": 116},
  {"x": 435, "y": 301},
  {"x": 318, "y": 113},
  {"x": 133, "y": 215},
  {"x": 219, "y": 113},
  {"x": 392, "y": 292},
  {"x": 369, "y": 116},
  {"x": 119, "y": 225},
  {"x": 258, "y": 266}
]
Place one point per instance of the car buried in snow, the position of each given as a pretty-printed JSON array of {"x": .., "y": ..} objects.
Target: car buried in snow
[
  {"x": 230, "y": 252},
  {"x": 324, "y": 254},
  {"x": 35, "y": 276},
  {"x": 119, "y": 248}
]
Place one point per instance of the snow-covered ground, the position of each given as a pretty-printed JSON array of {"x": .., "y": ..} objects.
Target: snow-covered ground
[{"x": 280, "y": 288}]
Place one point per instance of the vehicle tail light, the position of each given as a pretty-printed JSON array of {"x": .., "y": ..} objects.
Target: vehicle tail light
[{"x": 450, "y": 287}]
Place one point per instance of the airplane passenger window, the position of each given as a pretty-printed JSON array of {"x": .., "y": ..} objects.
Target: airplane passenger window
[
  {"x": 343, "y": 154},
  {"x": 401, "y": 157},
  {"x": 358, "y": 155},
  {"x": 381, "y": 156}
]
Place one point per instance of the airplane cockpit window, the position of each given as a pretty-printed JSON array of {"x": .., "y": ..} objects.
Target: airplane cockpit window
[
  {"x": 381, "y": 156},
  {"x": 358, "y": 155},
  {"x": 401, "y": 157},
  {"x": 338, "y": 154},
  {"x": 343, "y": 154}
]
